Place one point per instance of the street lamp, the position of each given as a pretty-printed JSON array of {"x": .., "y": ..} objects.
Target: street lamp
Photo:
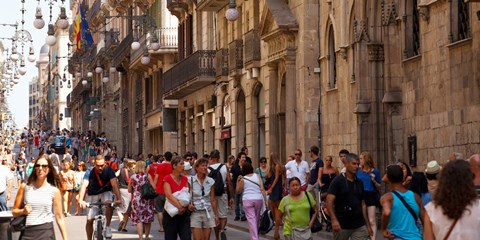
[
  {"x": 232, "y": 13},
  {"x": 62, "y": 22}
]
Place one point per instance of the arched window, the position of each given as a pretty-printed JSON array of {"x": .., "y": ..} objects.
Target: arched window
[
  {"x": 332, "y": 60},
  {"x": 412, "y": 30}
]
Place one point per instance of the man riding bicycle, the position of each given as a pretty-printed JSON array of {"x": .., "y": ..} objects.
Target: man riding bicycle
[{"x": 99, "y": 183}]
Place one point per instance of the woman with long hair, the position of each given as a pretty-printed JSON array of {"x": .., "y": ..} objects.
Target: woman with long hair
[
  {"x": 372, "y": 182},
  {"x": 142, "y": 209},
  {"x": 124, "y": 210},
  {"x": 67, "y": 179},
  {"x": 455, "y": 207},
  {"x": 179, "y": 225},
  {"x": 205, "y": 214},
  {"x": 275, "y": 178},
  {"x": 296, "y": 209},
  {"x": 262, "y": 169},
  {"x": 325, "y": 175},
  {"x": 37, "y": 199}
]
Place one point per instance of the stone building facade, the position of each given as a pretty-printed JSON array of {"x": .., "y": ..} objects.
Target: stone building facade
[{"x": 396, "y": 78}]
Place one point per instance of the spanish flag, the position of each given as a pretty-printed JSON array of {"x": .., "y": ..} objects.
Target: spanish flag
[{"x": 81, "y": 30}]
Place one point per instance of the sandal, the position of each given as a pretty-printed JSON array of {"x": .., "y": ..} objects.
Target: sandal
[{"x": 120, "y": 226}]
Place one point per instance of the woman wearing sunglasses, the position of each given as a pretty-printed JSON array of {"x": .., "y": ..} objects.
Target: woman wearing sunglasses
[
  {"x": 37, "y": 199},
  {"x": 205, "y": 213}
]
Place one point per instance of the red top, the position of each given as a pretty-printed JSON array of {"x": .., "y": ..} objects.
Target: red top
[
  {"x": 173, "y": 185},
  {"x": 163, "y": 170},
  {"x": 152, "y": 169}
]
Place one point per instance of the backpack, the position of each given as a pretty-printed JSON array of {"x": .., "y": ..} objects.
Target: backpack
[{"x": 219, "y": 186}]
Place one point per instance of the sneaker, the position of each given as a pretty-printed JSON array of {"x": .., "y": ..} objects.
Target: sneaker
[
  {"x": 243, "y": 219},
  {"x": 236, "y": 218},
  {"x": 223, "y": 236},
  {"x": 108, "y": 232}
]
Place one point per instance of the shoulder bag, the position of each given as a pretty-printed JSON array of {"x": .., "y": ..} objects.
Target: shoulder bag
[
  {"x": 17, "y": 224},
  {"x": 300, "y": 233},
  {"x": 147, "y": 190},
  {"x": 316, "y": 226}
]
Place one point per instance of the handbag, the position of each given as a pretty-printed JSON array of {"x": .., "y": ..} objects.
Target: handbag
[
  {"x": 147, "y": 191},
  {"x": 18, "y": 224},
  {"x": 266, "y": 222},
  {"x": 316, "y": 226},
  {"x": 300, "y": 233}
]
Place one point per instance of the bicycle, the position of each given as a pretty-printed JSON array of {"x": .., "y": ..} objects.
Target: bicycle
[{"x": 100, "y": 221}]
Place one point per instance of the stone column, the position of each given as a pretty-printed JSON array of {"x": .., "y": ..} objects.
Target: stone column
[
  {"x": 272, "y": 108},
  {"x": 291, "y": 103}
]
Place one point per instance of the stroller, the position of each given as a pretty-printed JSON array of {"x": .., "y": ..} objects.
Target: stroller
[{"x": 323, "y": 213}]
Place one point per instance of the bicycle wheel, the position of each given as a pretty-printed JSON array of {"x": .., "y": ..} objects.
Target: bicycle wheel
[{"x": 99, "y": 230}]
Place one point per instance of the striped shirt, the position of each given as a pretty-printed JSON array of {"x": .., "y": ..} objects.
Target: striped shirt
[{"x": 41, "y": 200}]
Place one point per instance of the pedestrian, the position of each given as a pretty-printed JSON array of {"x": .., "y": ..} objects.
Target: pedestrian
[
  {"x": 346, "y": 204},
  {"x": 6, "y": 183},
  {"x": 372, "y": 183},
  {"x": 30, "y": 166},
  {"x": 67, "y": 180},
  {"x": 326, "y": 175},
  {"x": 288, "y": 174},
  {"x": 296, "y": 209},
  {"x": 142, "y": 209},
  {"x": 250, "y": 185},
  {"x": 475, "y": 166},
  {"x": 401, "y": 208},
  {"x": 205, "y": 212},
  {"x": 41, "y": 201},
  {"x": 79, "y": 174},
  {"x": 275, "y": 184},
  {"x": 236, "y": 171},
  {"x": 299, "y": 168},
  {"x": 124, "y": 210},
  {"x": 21, "y": 164},
  {"x": 455, "y": 207},
  {"x": 317, "y": 163},
  {"x": 262, "y": 169},
  {"x": 179, "y": 225},
  {"x": 419, "y": 186},
  {"x": 431, "y": 173},
  {"x": 164, "y": 169}
]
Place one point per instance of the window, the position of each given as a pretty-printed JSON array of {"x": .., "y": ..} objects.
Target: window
[
  {"x": 412, "y": 30},
  {"x": 460, "y": 21},
  {"x": 227, "y": 114},
  {"x": 149, "y": 93},
  {"x": 332, "y": 60}
]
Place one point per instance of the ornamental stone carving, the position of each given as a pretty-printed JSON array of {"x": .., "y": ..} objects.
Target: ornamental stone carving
[
  {"x": 389, "y": 12},
  {"x": 360, "y": 31},
  {"x": 375, "y": 52}
]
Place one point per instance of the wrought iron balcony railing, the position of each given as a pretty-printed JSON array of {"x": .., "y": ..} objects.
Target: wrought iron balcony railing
[
  {"x": 211, "y": 5},
  {"x": 252, "y": 47},
  {"x": 235, "y": 52},
  {"x": 221, "y": 62},
  {"x": 189, "y": 75},
  {"x": 123, "y": 49}
]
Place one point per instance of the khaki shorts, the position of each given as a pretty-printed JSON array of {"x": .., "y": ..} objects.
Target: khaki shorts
[
  {"x": 222, "y": 204},
  {"x": 102, "y": 197},
  {"x": 199, "y": 219}
]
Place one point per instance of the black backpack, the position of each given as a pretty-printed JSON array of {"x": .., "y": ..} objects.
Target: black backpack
[{"x": 219, "y": 186}]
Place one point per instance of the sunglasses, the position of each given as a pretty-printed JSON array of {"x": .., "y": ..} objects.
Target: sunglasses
[
  {"x": 298, "y": 154},
  {"x": 100, "y": 166},
  {"x": 203, "y": 191},
  {"x": 263, "y": 161},
  {"x": 41, "y": 165}
]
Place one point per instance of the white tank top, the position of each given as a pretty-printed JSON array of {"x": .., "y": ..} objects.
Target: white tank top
[
  {"x": 41, "y": 200},
  {"x": 251, "y": 191}
]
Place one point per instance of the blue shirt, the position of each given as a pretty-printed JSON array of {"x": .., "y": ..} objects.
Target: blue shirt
[
  {"x": 316, "y": 164},
  {"x": 402, "y": 224},
  {"x": 367, "y": 180}
]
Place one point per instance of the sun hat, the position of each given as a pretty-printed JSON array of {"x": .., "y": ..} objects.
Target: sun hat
[
  {"x": 433, "y": 167},
  {"x": 187, "y": 166}
]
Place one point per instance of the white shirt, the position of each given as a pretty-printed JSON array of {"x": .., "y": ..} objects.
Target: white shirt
[
  {"x": 251, "y": 191},
  {"x": 467, "y": 226},
  {"x": 298, "y": 170},
  {"x": 5, "y": 176}
]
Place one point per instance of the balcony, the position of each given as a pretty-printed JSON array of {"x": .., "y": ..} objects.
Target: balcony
[
  {"x": 235, "y": 55},
  {"x": 111, "y": 41},
  {"x": 93, "y": 11},
  {"x": 221, "y": 62},
  {"x": 167, "y": 38},
  {"x": 190, "y": 75},
  {"x": 177, "y": 7},
  {"x": 77, "y": 92},
  {"x": 252, "y": 49},
  {"x": 122, "y": 50},
  {"x": 211, "y": 5}
]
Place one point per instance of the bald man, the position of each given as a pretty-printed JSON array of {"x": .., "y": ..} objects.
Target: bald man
[{"x": 475, "y": 165}]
